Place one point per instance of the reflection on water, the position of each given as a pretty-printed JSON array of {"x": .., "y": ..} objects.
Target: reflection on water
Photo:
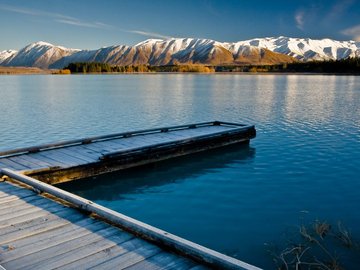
[{"x": 114, "y": 186}]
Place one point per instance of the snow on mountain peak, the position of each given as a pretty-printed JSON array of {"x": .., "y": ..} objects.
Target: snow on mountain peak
[
  {"x": 6, "y": 55},
  {"x": 150, "y": 41},
  {"x": 184, "y": 50}
]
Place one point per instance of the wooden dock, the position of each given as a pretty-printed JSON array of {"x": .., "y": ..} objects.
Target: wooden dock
[
  {"x": 70, "y": 160},
  {"x": 44, "y": 227},
  {"x": 48, "y": 231}
]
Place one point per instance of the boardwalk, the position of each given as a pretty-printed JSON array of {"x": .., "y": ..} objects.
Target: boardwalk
[
  {"x": 59, "y": 230},
  {"x": 39, "y": 233},
  {"x": 76, "y": 159}
]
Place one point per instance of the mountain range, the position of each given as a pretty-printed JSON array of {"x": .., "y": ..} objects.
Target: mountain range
[{"x": 186, "y": 51}]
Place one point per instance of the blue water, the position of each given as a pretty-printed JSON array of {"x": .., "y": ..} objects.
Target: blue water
[{"x": 303, "y": 165}]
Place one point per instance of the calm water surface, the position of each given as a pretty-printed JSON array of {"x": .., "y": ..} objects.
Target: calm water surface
[{"x": 303, "y": 165}]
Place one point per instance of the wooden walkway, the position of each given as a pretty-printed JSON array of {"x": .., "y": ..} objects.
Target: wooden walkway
[
  {"x": 37, "y": 232},
  {"x": 65, "y": 161},
  {"x": 59, "y": 230}
]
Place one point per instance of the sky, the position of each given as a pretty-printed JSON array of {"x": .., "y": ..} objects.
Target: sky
[{"x": 92, "y": 24}]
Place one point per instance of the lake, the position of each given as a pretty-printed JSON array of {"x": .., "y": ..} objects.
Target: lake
[{"x": 304, "y": 164}]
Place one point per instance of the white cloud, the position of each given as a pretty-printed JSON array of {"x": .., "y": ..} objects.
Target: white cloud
[
  {"x": 59, "y": 18},
  {"x": 299, "y": 19},
  {"x": 353, "y": 32},
  {"x": 148, "y": 34},
  {"x": 76, "y": 22}
]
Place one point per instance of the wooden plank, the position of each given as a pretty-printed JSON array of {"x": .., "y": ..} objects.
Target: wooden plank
[
  {"x": 93, "y": 148},
  {"x": 23, "y": 162},
  {"x": 105, "y": 255},
  {"x": 27, "y": 213},
  {"x": 129, "y": 258},
  {"x": 35, "y": 202},
  {"x": 13, "y": 165},
  {"x": 8, "y": 220},
  {"x": 59, "y": 253},
  {"x": 82, "y": 156},
  {"x": 163, "y": 260},
  {"x": 23, "y": 218},
  {"x": 66, "y": 157},
  {"x": 81, "y": 252},
  {"x": 21, "y": 193},
  {"x": 54, "y": 163},
  {"x": 80, "y": 150},
  {"x": 38, "y": 228},
  {"x": 25, "y": 246},
  {"x": 30, "y": 158},
  {"x": 48, "y": 217},
  {"x": 62, "y": 158},
  {"x": 15, "y": 202},
  {"x": 3, "y": 165},
  {"x": 104, "y": 146}
]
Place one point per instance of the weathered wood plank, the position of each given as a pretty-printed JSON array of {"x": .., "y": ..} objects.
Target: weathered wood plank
[
  {"x": 13, "y": 165},
  {"x": 26, "y": 213},
  {"x": 81, "y": 150},
  {"x": 15, "y": 202},
  {"x": 84, "y": 251},
  {"x": 54, "y": 163},
  {"x": 57, "y": 255},
  {"x": 163, "y": 260},
  {"x": 61, "y": 158},
  {"x": 23, "y": 162},
  {"x": 129, "y": 258},
  {"x": 25, "y": 246},
  {"x": 38, "y": 228},
  {"x": 76, "y": 154},
  {"x": 29, "y": 224},
  {"x": 34, "y": 160},
  {"x": 107, "y": 254}
]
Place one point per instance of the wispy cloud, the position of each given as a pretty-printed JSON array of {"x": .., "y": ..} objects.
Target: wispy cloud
[
  {"x": 353, "y": 32},
  {"x": 64, "y": 19},
  {"x": 57, "y": 17},
  {"x": 300, "y": 19},
  {"x": 76, "y": 22},
  {"x": 148, "y": 34},
  {"x": 338, "y": 9}
]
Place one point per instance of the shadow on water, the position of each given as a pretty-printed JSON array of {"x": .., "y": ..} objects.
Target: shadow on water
[{"x": 109, "y": 186}]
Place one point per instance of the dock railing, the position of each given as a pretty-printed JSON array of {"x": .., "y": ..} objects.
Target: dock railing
[
  {"x": 162, "y": 238},
  {"x": 43, "y": 147}
]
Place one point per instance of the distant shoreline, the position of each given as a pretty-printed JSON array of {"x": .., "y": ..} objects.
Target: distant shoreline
[
  {"x": 39, "y": 71},
  {"x": 24, "y": 71}
]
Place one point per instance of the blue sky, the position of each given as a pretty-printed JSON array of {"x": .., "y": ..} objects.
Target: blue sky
[{"x": 90, "y": 24}]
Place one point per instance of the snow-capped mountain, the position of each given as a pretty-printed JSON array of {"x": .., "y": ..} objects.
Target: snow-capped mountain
[
  {"x": 175, "y": 51},
  {"x": 6, "y": 56},
  {"x": 40, "y": 54},
  {"x": 306, "y": 49},
  {"x": 186, "y": 50}
]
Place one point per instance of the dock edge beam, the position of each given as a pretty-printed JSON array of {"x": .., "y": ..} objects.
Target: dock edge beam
[{"x": 172, "y": 242}]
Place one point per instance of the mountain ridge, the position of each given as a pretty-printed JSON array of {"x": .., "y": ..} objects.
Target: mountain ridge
[{"x": 173, "y": 51}]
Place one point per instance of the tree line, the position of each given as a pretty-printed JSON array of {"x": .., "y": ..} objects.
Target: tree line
[
  {"x": 96, "y": 67},
  {"x": 347, "y": 66}
]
